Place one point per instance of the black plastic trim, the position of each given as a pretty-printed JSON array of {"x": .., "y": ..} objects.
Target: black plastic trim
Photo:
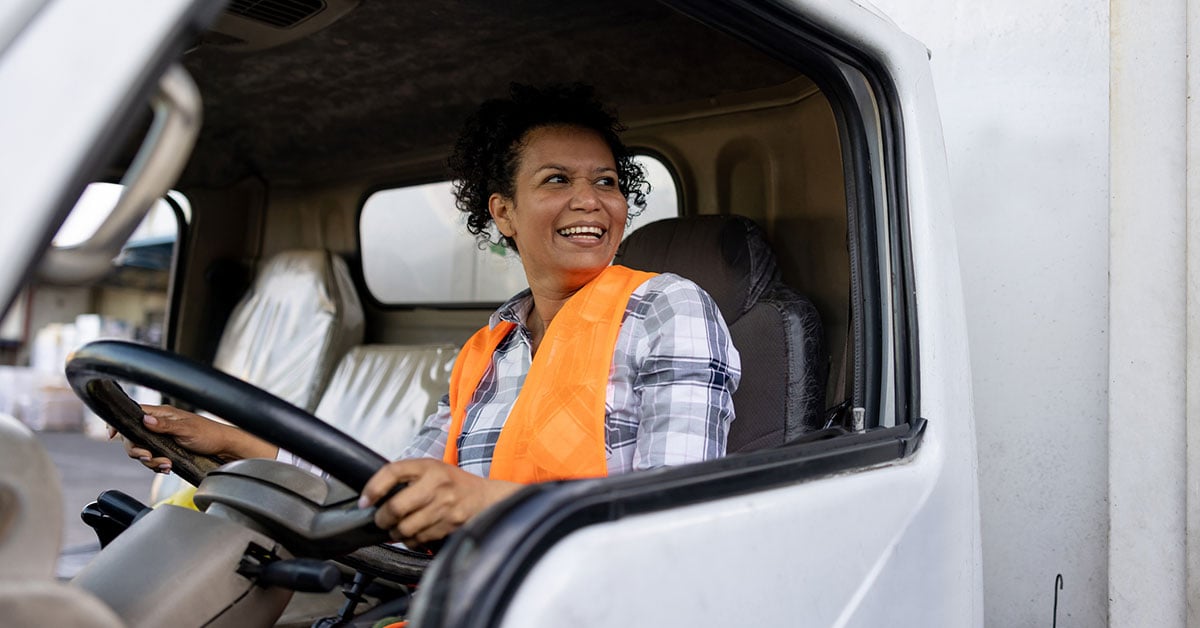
[
  {"x": 177, "y": 273},
  {"x": 480, "y": 568},
  {"x": 904, "y": 293},
  {"x": 895, "y": 188}
]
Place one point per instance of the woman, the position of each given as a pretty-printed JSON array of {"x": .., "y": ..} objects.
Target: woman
[{"x": 595, "y": 369}]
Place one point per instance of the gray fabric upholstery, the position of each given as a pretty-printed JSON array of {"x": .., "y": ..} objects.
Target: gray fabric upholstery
[{"x": 776, "y": 330}]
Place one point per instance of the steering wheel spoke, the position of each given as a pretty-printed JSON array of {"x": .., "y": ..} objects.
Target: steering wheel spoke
[{"x": 108, "y": 399}]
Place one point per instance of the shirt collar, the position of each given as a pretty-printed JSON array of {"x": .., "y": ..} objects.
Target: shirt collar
[{"x": 515, "y": 310}]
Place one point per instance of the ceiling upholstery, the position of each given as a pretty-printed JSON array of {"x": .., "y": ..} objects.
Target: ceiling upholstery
[{"x": 396, "y": 78}]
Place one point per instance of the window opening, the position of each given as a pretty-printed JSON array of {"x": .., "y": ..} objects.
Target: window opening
[
  {"x": 416, "y": 249},
  {"x": 48, "y": 321}
]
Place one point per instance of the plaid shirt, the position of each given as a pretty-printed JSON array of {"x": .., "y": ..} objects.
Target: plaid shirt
[{"x": 669, "y": 398}]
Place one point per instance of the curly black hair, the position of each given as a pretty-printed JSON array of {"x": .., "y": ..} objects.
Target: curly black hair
[{"x": 486, "y": 154}]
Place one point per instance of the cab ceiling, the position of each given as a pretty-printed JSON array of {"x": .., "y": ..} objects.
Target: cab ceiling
[{"x": 392, "y": 81}]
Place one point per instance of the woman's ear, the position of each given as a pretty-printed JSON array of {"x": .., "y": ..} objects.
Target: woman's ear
[{"x": 501, "y": 208}]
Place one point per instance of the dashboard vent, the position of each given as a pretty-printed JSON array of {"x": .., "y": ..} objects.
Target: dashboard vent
[{"x": 277, "y": 13}]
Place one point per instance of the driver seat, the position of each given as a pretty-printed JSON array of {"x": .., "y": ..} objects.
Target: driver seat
[
  {"x": 776, "y": 330},
  {"x": 30, "y": 536}
]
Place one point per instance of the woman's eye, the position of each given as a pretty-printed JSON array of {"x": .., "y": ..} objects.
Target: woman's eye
[
  {"x": 556, "y": 178},
  {"x": 607, "y": 182}
]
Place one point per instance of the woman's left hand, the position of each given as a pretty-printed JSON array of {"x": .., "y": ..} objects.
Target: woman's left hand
[{"x": 438, "y": 500}]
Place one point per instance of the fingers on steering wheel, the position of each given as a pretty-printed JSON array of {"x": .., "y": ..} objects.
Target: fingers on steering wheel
[
  {"x": 422, "y": 526},
  {"x": 148, "y": 460}
]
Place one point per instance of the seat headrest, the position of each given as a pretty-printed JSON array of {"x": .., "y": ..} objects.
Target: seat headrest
[
  {"x": 293, "y": 325},
  {"x": 727, "y": 256}
]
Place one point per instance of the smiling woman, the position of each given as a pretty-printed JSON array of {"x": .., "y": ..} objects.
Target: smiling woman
[
  {"x": 593, "y": 370},
  {"x": 810, "y": 173}
]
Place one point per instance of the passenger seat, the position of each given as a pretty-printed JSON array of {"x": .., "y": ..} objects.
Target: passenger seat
[
  {"x": 776, "y": 330},
  {"x": 30, "y": 537}
]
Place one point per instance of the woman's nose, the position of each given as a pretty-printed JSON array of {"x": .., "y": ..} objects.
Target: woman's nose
[{"x": 585, "y": 196}]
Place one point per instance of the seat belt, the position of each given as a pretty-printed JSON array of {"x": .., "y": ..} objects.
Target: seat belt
[{"x": 843, "y": 414}]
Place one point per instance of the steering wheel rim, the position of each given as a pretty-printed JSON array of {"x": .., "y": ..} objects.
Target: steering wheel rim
[{"x": 92, "y": 368}]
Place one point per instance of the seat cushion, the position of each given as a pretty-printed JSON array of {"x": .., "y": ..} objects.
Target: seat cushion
[
  {"x": 50, "y": 603},
  {"x": 780, "y": 342},
  {"x": 381, "y": 394},
  {"x": 728, "y": 256}
]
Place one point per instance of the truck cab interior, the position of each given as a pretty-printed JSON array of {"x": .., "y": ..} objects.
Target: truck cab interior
[
  {"x": 318, "y": 175},
  {"x": 298, "y": 137}
]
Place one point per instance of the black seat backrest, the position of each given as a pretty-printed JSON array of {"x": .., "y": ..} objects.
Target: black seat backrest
[{"x": 776, "y": 330}]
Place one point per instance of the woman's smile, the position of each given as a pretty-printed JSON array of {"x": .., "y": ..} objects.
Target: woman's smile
[{"x": 585, "y": 234}]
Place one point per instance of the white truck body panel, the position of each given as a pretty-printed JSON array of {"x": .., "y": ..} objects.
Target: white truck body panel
[
  {"x": 810, "y": 560},
  {"x": 1070, "y": 132}
]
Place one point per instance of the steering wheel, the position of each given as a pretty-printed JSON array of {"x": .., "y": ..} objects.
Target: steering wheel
[
  {"x": 91, "y": 370},
  {"x": 332, "y": 533}
]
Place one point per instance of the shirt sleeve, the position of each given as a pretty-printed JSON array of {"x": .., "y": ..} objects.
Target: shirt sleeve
[
  {"x": 430, "y": 441},
  {"x": 687, "y": 372},
  {"x": 288, "y": 457}
]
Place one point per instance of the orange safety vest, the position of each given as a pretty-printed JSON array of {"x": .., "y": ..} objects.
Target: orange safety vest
[{"x": 555, "y": 430}]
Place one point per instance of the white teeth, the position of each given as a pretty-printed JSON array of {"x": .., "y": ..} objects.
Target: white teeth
[{"x": 592, "y": 231}]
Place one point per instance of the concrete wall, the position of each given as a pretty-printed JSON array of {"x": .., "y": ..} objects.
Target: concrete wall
[{"x": 1023, "y": 87}]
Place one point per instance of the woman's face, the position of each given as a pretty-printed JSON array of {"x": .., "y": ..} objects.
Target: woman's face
[{"x": 568, "y": 214}]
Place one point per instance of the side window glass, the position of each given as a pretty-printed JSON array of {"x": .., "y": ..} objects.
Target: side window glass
[
  {"x": 49, "y": 320},
  {"x": 416, "y": 250},
  {"x": 663, "y": 200}
]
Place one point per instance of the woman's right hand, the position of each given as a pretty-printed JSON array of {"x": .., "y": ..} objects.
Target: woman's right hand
[{"x": 196, "y": 434}]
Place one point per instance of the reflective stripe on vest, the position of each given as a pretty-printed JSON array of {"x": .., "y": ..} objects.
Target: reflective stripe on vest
[{"x": 555, "y": 430}]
